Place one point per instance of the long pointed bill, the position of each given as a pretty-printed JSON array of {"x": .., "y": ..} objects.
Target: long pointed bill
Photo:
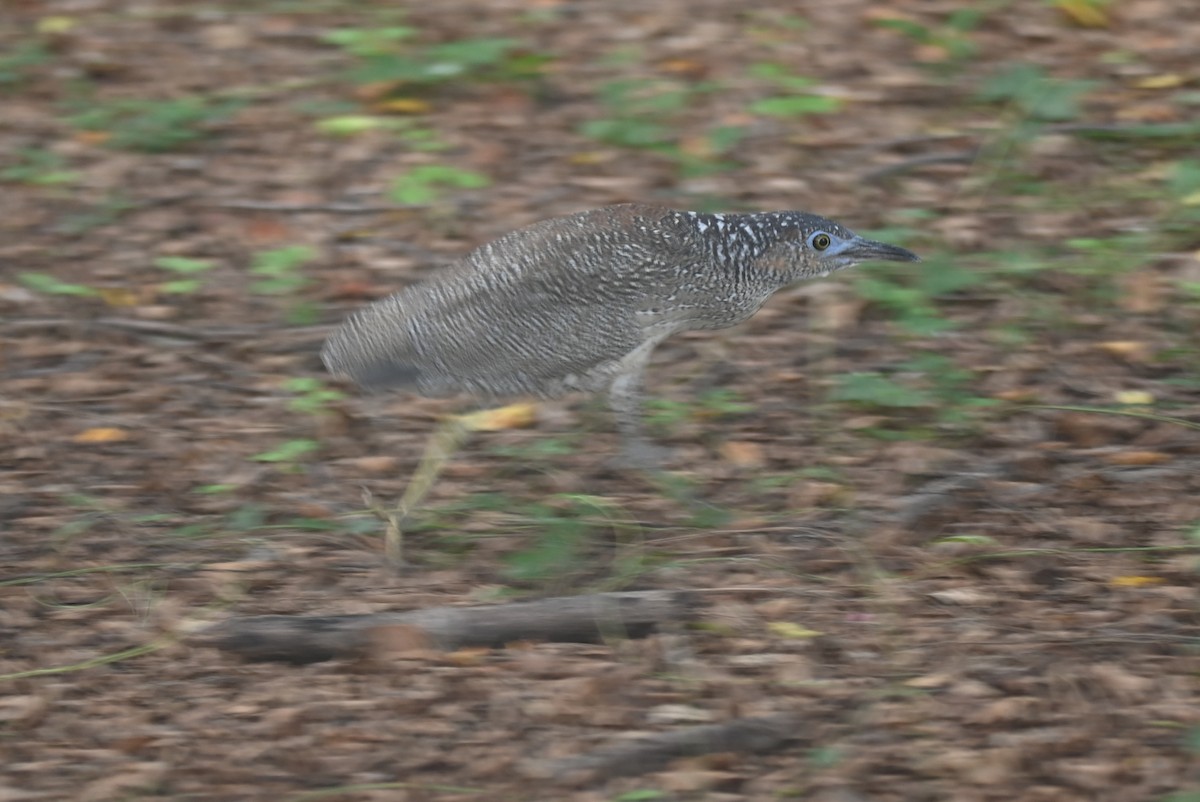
[{"x": 863, "y": 250}]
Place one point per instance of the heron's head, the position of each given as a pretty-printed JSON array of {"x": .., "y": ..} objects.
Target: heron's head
[{"x": 811, "y": 246}]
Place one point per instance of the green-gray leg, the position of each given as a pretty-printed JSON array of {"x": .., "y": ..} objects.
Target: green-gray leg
[
  {"x": 440, "y": 447},
  {"x": 625, "y": 399}
]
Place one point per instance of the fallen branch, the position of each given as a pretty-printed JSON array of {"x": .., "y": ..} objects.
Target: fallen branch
[
  {"x": 573, "y": 619},
  {"x": 757, "y": 735}
]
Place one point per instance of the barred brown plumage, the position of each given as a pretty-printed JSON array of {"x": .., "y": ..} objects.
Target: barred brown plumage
[{"x": 578, "y": 303}]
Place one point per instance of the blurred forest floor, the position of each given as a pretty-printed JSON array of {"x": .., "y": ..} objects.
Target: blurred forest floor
[{"x": 947, "y": 514}]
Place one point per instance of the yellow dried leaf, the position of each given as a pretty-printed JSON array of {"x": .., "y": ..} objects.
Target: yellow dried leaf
[
  {"x": 1125, "y": 349},
  {"x": 1135, "y": 581},
  {"x": 1167, "y": 80},
  {"x": 786, "y": 629},
  {"x": 1133, "y": 397},
  {"x": 513, "y": 416},
  {"x": 121, "y": 296},
  {"x": 468, "y": 658},
  {"x": 1138, "y": 458},
  {"x": 55, "y": 25},
  {"x": 1085, "y": 13},
  {"x": 101, "y": 434},
  {"x": 586, "y": 157},
  {"x": 405, "y": 105}
]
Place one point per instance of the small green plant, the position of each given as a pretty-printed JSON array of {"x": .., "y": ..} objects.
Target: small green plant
[
  {"x": 536, "y": 450},
  {"x": 391, "y": 55},
  {"x": 718, "y": 403},
  {"x": 877, "y": 390},
  {"x": 37, "y": 167},
  {"x": 565, "y": 526},
  {"x": 928, "y": 381},
  {"x": 793, "y": 98},
  {"x": 19, "y": 63},
  {"x": 278, "y": 270},
  {"x": 105, "y": 212},
  {"x": 182, "y": 266},
  {"x": 153, "y": 126},
  {"x": 1183, "y": 216},
  {"x": 647, "y": 115},
  {"x": 950, "y": 386},
  {"x": 640, "y": 795},
  {"x": 910, "y": 296},
  {"x": 278, "y": 273},
  {"x": 689, "y": 494},
  {"x": 1106, "y": 256},
  {"x": 313, "y": 397},
  {"x": 423, "y": 184},
  {"x": 417, "y": 137},
  {"x": 1037, "y": 96},
  {"x": 45, "y": 283},
  {"x": 722, "y": 403},
  {"x": 369, "y": 42},
  {"x": 639, "y": 113},
  {"x": 952, "y": 38},
  {"x": 288, "y": 453},
  {"x": 214, "y": 489}
]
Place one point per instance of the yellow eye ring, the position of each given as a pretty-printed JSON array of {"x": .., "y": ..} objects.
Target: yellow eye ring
[{"x": 821, "y": 241}]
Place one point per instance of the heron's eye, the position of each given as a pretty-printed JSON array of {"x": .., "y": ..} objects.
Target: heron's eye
[{"x": 820, "y": 241}]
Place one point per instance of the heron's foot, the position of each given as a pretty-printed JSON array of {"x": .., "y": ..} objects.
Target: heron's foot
[{"x": 642, "y": 455}]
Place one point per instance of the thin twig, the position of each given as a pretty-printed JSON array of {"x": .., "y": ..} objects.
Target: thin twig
[
  {"x": 306, "y": 208},
  {"x": 959, "y": 157}
]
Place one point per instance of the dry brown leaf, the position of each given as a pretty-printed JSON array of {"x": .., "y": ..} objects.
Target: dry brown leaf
[
  {"x": 1138, "y": 458},
  {"x": 1142, "y": 292},
  {"x": 395, "y": 640},
  {"x": 102, "y": 434},
  {"x": 936, "y": 680},
  {"x": 1008, "y": 709},
  {"x": 1130, "y": 350},
  {"x": 1017, "y": 395},
  {"x": 376, "y": 463},
  {"x": 743, "y": 454},
  {"x": 692, "y": 780},
  {"x": 963, "y": 596},
  {"x": 1120, "y": 682}
]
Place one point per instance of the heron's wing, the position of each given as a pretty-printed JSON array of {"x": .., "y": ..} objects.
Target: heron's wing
[{"x": 548, "y": 308}]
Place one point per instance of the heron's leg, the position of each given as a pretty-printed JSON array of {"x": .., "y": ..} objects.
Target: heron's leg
[
  {"x": 625, "y": 397},
  {"x": 441, "y": 445}
]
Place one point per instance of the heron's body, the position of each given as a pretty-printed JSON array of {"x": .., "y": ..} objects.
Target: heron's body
[{"x": 580, "y": 302}]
